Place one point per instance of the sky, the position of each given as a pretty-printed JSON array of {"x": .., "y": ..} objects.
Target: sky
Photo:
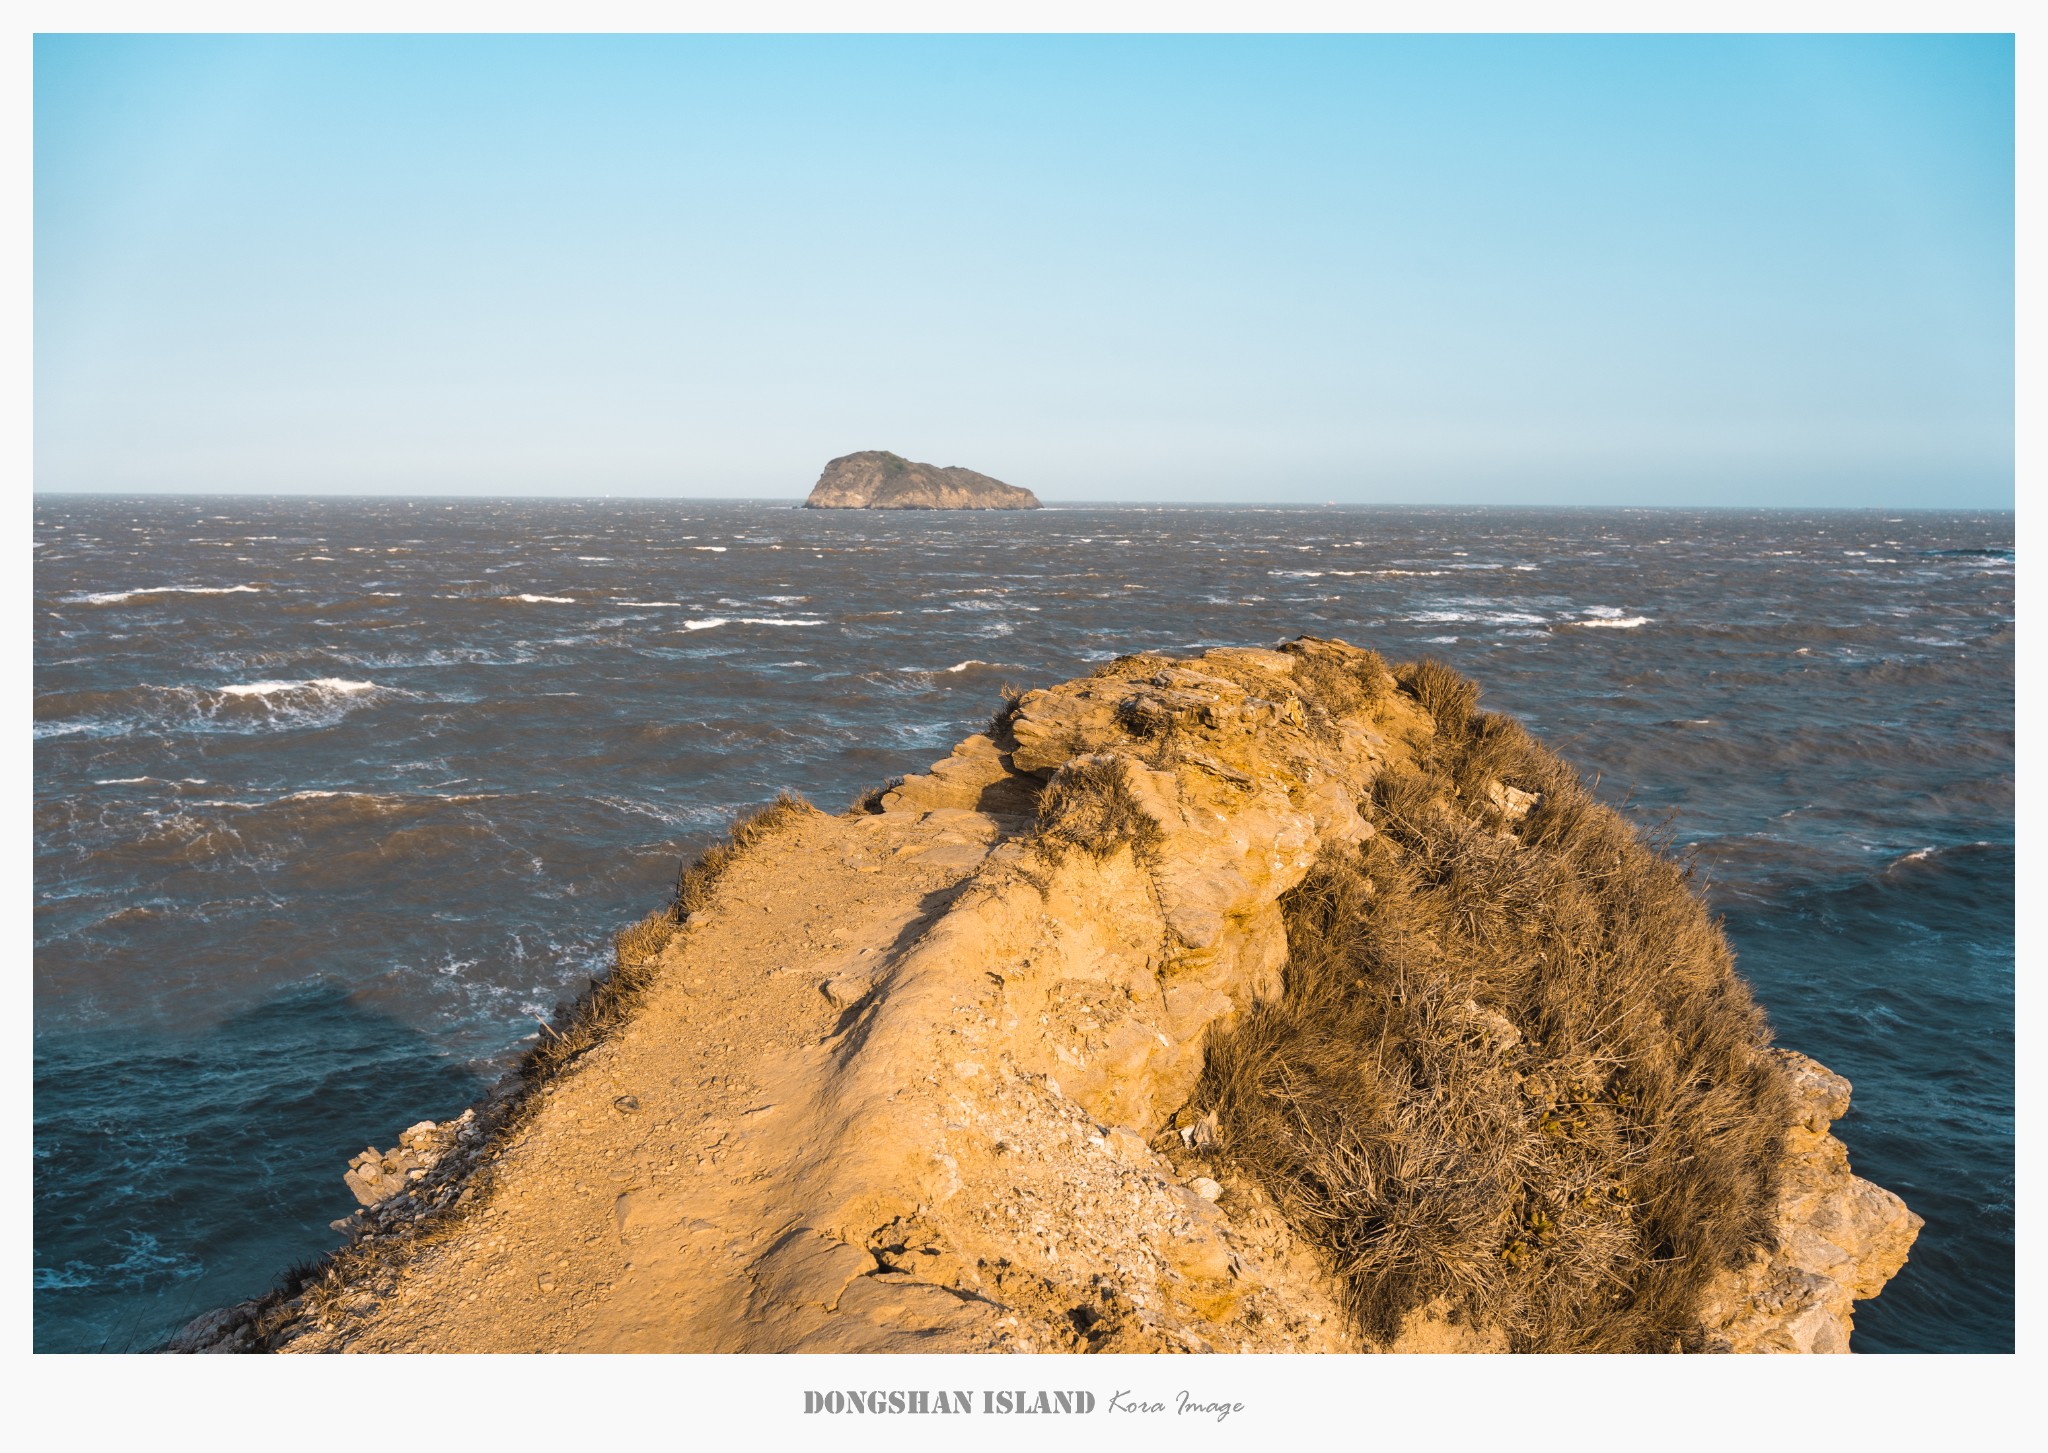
[{"x": 1540, "y": 270}]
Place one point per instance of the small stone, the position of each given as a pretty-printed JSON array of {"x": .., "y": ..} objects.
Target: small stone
[
  {"x": 1127, "y": 1145},
  {"x": 1207, "y": 1189},
  {"x": 844, "y": 991},
  {"x": 625, "y": 1104}
]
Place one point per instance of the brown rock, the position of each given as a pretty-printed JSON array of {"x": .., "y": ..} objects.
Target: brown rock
[{"x": 875, "y": 479}]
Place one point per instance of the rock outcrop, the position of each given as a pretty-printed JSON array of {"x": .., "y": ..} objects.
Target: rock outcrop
[
  {"x": 1840, "y": 1238},
  {"x": 375, "y": 1176},
  {"x": 875, "y": 479},
  {"x": 918, "y": 1077}
]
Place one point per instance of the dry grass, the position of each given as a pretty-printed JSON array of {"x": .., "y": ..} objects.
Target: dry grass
[
  {"x": 1089, "y": 806},
  {"x": 642, "y": 942},
  {"x": 1513, "y": 1065},
  {"x": 1334, "y": 681},
  {"x": 1134, "y": 666},
  {"x": 870, "y": 800},
  {"x": 998, "y": 728}
]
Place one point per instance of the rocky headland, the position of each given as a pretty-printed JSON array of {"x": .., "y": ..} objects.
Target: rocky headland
[
  {"x": 1268, "y": 1000},
  {"x": 875, "y": 479}
]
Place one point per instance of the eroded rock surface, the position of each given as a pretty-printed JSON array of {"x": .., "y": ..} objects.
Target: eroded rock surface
[
  {"x": 1840, "y": 1238},
  {"x": 915, "y": 1081}
]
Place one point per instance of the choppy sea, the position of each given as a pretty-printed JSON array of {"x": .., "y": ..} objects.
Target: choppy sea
[{"x": 333, "y": 797}]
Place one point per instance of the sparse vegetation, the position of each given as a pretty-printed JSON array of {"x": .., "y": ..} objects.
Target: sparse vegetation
[
  {"x": 608, "y": 1001},
  {"x": 1334, "y": 684},
  {"x": 1513, "y": 1072},
  {"x": 642, "y": 942},
  {"x": 1089, "y": 805},
  {"x": 693, "y": 888},
  {"x": 1513, "y": 1066},
  {"x": 870, "y": 800},
  {"x": 998, "y": 728}
]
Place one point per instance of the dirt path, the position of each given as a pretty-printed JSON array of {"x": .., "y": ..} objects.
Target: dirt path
[
  {"x": 924, "y": 1078},
  {"x": 910, "y": 1080},
  {"x": 627, "y": 1212}
]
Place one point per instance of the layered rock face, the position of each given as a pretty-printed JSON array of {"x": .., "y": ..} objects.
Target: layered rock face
[
  {"x": 1840, "y": 1238},
  {"x": 376, "y": 1176},
  {"x": 918, "y": 1078},
  {"x": 875, "y": 479}
]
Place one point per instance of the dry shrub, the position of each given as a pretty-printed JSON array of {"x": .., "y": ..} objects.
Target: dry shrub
[
  {"x": 870, "y": 800},
  {"x": 1514, "y": 1068},
  {"x": 998, "y": 728},
  {"x": 1335, "y": 681},
  {"x": 1450, "y": 699},
  {"x": 1089, "y": 805}
]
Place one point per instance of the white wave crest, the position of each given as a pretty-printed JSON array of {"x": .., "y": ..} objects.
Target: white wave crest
[
  {"x": 1476, "y": 617},
  {"x": 115, "y": 597},
  {"x": 317, "y": 684},
  {"x": 543, "y": 599},
  {"x": 953, "y": 670}
]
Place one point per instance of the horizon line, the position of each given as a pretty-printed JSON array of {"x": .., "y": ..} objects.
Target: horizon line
[{"x": 796, "y": 502}]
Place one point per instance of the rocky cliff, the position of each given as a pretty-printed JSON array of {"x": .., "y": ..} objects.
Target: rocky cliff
[
  {"x": 1267, "y": 1000},
  {"x": 875, "y": 479}
]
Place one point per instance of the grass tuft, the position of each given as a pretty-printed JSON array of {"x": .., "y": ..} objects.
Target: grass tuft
[
  {"x": 1449, "y": 698},
  {"x": 870, "y": 801},
  {"x": 1336, "y": 681},
  {"x": 1089, "y": 805},
  {"x": 609, "y": 1001},
  {"x": 998, "y": 728},
  {"x": 694, "y": 886}
]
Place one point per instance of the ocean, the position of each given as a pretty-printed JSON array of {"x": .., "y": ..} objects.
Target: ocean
[{"x": 335, "y": 797}]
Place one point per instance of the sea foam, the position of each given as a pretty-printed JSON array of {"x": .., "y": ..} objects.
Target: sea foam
[{"x": 116, "y": 597}]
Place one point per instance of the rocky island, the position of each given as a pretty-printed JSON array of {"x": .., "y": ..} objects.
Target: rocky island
[
  {"x": 1264, "y": 1000},
  {"x": 875, "y": 479}
]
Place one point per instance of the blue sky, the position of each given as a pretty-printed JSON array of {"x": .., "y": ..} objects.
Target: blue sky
[{"x": 1540, "y": 270}]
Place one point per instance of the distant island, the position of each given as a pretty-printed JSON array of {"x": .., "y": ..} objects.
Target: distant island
[{"x": 875, "y": 479}]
